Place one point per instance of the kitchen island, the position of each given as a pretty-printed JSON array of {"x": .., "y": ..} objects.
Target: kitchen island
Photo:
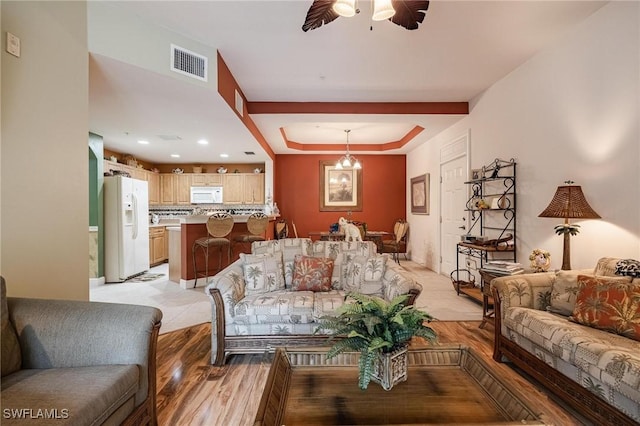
[{"x": 182, "y": 234}]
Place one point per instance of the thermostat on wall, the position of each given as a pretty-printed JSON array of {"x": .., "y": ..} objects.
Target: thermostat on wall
[{"x": 13, "y": 44}]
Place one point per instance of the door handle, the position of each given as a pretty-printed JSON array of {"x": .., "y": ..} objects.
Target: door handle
[{"x": 462, "y": 227}]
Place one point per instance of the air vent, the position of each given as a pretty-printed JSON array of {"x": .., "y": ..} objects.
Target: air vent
[
  {"x": 249, "y": 153},
  {"x": 185, "y": 62}
]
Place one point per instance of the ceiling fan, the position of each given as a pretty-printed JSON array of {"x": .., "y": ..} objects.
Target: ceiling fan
[{"x": 408, "y": 13}]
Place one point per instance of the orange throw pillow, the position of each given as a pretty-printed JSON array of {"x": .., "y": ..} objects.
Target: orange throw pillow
[
  {"x": 312, "y": 273},
  {"x": 608, "y": 303}
]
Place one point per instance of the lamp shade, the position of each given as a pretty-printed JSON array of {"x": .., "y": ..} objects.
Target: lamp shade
[
  {"x": 569, "y": 202},
  {"x": 346, "y": 8},
  {"x": 382, "y": 9}
]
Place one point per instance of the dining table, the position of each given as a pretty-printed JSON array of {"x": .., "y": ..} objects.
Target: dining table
[{"x": 375, "y": 236}]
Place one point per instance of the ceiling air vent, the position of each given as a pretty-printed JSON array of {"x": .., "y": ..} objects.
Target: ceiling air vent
[
  {"x": 185, "y": 62},
  {"x": 249, "y": 153}
]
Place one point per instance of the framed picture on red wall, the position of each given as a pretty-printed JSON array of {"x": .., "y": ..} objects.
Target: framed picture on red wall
[
  {"x": 340, "y": 190},
  {"x": 420, "y": 194}
]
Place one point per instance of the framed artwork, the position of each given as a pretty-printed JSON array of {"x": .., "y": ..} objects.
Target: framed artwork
[
  {"x": 340, "y": 190},
  {"x": 420, "y": 194}
]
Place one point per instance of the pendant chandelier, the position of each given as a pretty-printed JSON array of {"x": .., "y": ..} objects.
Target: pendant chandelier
[
  {"x": 348, "y": 161},
  {"x": 382, "y": 9}
]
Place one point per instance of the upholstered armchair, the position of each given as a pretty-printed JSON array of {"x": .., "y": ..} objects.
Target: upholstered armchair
[{"x": 79, "y": 363}]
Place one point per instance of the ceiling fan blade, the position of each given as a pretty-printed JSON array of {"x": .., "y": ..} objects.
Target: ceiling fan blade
[
  {"x": 320, "y": 12},
  {"x": 409, "y": 13}
]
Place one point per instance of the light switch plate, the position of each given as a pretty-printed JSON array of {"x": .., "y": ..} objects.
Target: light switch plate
[{"x": 13, "y": 44}]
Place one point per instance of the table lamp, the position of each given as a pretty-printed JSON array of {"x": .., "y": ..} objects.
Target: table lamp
[{"x": 568, "y": 203}]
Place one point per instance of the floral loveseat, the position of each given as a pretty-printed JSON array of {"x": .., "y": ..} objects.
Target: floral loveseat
[
  {"x": 275, "y": 296},
  {"x": 577, "y": 333}
]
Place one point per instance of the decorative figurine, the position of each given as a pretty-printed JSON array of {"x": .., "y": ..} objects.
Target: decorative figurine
[{"x": 540, "y": 260}]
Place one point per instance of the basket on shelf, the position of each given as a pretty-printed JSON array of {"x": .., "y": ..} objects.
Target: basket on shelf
[{"x": 458, "y": 283}]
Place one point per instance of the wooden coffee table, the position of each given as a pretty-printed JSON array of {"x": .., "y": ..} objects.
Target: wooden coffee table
[{"x": 445, "y": 385}]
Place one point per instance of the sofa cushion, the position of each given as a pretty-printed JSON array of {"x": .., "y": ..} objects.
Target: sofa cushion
[
  {"x": 262, "y": 272},
  {"x": 10, "y": 355},
  {"x": 564, "y": 291},
  {"x": 281, "y": 306},
  {"x": 312, "y": 273},
  {"x": 289, "y": 248},
  {"x": 610, "y": 304},
  {"x": 607, "y": 364},
  {"x": 77, "y": 396},
  {"x": 606, "y": 266},
  {"x": 326, "y": 303},
  {"x": 342, "y": 252},
  {"x": 628, "y": 268},
  {"x": 366, "y": 274}
]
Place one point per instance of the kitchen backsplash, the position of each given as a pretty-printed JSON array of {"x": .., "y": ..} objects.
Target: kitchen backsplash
[{"x": 179, "y": 211}]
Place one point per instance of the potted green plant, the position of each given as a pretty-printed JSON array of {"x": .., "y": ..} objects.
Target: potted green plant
[{"x": 380, "y": 330}]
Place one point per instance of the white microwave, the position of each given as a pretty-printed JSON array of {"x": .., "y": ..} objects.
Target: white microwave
[{"x": 206, "y": 195}]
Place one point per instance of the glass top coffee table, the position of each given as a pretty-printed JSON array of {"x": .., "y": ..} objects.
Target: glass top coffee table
[{"x": 445, "y": 385}]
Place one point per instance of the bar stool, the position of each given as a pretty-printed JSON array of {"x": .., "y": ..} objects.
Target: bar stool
[
  {"x": 257, "y": 225},
  {"x": 219, "y": 226}
]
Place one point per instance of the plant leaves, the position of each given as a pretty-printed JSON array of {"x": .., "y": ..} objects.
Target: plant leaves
[
  {"x": 409, "y": 13},
  {"x": 320, "y": 12}
]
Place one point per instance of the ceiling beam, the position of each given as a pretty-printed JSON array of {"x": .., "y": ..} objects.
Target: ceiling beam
[{"x": 357, "y": 107}]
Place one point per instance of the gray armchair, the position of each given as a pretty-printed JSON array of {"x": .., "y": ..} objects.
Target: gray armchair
[{"x": 79, "y": 363}]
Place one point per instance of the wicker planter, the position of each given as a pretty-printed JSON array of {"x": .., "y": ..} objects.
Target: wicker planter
[{"x": 390, "y": 368}]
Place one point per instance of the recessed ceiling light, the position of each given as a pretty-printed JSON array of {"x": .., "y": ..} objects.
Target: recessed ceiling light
[
  {"x": 203, "y": 142},
  {"x": 175, "y": 155},
  {"x": 224, "y": 155},
  {"x": 143, "y": 142}
]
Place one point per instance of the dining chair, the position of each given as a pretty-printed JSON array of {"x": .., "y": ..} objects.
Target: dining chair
[{"x": 398, "y": 244}]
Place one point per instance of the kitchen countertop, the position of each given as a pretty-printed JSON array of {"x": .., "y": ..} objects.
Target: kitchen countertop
[{"x": 237, "y": 218}]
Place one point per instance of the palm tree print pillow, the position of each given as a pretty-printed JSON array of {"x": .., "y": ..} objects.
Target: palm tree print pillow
[
  {"x": 608, "y": 303},
  {"x": 312, "y": 273}
]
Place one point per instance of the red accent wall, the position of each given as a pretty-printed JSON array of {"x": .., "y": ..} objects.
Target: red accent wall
[{"x": 297, "y": 186}]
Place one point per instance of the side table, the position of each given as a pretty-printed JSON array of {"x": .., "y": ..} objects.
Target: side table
[{"x": 487, "y": 299}]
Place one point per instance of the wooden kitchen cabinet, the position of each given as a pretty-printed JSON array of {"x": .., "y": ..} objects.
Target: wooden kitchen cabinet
[
  {"x": 153, "y": 180},
  {"x": 206, "y": 179},
  {"x": 243, "y": 188},
  {"x": 175, "y": 189},
  {"x": 254, "y": 188},
  {"x": 233, "y": 188},
  {"x": 157, "y": 245}
]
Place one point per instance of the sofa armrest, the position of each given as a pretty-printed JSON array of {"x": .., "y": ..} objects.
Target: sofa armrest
[
  {"x": 61, "y": 333},
  {"x": 230, "y": 284},
  {"x": 395, "y": 282}
]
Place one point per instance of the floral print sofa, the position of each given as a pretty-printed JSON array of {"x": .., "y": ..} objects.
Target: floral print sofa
[
  {"x": 577, "y": 333},
  {"x": 267, "y": 299}
]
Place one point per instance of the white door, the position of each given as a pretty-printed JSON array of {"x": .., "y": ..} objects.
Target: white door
[{"x": 454, "y": 217}]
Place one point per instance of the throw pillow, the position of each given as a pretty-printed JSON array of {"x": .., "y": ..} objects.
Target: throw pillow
[
  {"x": 606, "y": 266},
  {"x": 366, "y": 273},
  {"x": 11, "y": 357},
  {"x": 608, "y": 303},
  {"x": 289, "y": 248},
  {"x": 312, "y": 273},
  {"x": 262, "y": 272},
  {"x": 628, "y": 268},
  {"x": 564, "y": 291}
]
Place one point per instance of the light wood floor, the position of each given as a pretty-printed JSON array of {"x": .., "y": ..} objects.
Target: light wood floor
[{"x": 192, "y": 392}]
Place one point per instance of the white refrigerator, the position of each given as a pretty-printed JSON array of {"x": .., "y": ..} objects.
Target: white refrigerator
[{"x": 126, "y": 223}]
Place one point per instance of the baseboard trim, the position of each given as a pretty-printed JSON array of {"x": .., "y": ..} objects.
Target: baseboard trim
[{"x": 96, "y": 282}]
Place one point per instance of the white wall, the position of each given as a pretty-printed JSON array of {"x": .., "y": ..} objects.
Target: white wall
[
  {"x": 44, "y": 169},
  {"x": 570, "y": 112}
]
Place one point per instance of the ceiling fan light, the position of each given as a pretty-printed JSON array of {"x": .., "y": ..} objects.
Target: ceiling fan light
[
  {"x": 382, "y": 9},
  {"x": 346, "y": 8}
]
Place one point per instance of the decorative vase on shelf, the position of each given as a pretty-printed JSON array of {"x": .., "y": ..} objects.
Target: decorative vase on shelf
[{"x": 276, "y": 210}]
